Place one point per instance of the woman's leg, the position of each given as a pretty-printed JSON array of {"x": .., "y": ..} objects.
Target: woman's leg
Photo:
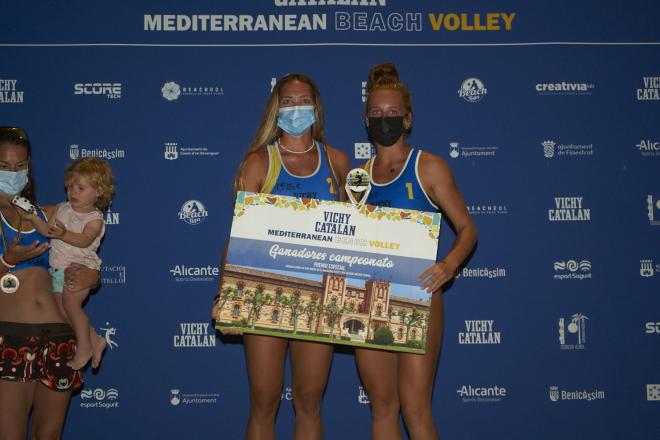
[
  {"x": 378, "y": 371},
  {"x": 310, "y": 363},
  {"x": 416, "y": 378},
  {"x": 15, "y": 403},
  {"x": 49, "y": 413},
  {"x": 265, "y": 361},
  {"x": 72, "y": 301}
]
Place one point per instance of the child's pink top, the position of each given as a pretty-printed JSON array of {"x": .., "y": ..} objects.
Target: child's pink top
[{"x": 63, "y": 254}]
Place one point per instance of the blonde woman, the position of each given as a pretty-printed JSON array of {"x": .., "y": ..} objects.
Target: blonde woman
[{"x": 289, "y": 157}]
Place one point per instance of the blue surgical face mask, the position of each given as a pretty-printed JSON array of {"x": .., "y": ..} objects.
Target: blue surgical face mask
[
  {"x": 12, "y": 183},
  {"x": 296, "y": 120}
]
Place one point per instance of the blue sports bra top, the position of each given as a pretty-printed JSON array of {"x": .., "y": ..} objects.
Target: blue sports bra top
[
  {"x": 404, "y": 191},
  {"x": 27, "y": 238}
]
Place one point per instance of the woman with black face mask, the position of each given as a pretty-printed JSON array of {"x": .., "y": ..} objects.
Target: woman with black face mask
[{"x": 403, "y": 177}]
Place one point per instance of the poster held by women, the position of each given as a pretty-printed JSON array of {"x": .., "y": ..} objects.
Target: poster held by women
[{"x": 328, "y": 271}]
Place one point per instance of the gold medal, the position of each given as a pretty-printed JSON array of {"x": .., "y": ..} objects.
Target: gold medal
[{"x": 9, "y": 283}]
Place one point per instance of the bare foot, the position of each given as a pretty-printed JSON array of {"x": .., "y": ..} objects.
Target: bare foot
[
  {"x": 98, "y": 347},
  {"x": 82, "y": 356}
]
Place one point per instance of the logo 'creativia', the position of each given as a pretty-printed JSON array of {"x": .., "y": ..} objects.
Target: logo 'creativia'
[
  {"x": 548, "y": 148},
  {"x": 564, "y": 88},
  {"x": 110, "y": 90},
  {"x": 171, "y": 91},
  {"x": 193, "y": 212},
  {"x": 472, "y": 90},
  {"x": 576, "y": 327}
]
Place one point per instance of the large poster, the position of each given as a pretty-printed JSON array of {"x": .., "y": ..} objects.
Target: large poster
[{"x": 328, "y": 272}]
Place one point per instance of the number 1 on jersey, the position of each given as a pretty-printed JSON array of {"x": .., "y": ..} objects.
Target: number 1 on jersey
[
  {"x": 411, "y": 196},
  {"x": 332, "y": 186}
]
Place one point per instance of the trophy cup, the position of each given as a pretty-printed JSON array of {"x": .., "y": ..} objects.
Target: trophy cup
[{"x": 358, "y": 186}]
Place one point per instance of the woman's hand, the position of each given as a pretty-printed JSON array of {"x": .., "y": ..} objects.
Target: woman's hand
[
  {"x": 79, "y": 277},
  {"x": 436, "y": 276},
  {"x": 16, "y": 253}
]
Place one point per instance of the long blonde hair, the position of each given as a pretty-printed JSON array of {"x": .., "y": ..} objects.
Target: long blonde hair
[{"x": 268, "y": 130}]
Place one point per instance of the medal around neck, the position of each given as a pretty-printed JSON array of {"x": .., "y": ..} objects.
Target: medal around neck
[
  {"x": 9, "y": 283},
  {"x": 358, "y": 186}
]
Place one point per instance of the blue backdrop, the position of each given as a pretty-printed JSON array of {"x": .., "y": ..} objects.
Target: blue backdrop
[{"x": 557, "y": 157}]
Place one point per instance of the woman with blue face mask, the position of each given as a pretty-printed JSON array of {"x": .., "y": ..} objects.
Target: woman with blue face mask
[
  {"x": 35, "y": 340},
  {"x": 288, "y": 156}
]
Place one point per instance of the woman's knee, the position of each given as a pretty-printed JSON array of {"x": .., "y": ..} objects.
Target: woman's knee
[
  {"x": 307, "y": 400},
  {"x": 264, "y": 401},
  {"x": 416, "y": 411},
  {"x": 384, "y": 405}
]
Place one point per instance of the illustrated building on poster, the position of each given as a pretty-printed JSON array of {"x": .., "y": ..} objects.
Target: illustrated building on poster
[{"x": 330, "y": 307}]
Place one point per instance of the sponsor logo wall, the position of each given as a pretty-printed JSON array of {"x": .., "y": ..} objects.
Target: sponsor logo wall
[{"x": 551, "y": 134}]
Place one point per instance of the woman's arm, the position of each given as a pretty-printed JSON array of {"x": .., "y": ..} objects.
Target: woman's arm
[
  {"x": 78, "y": 277},
  {"x": 438, "y": 182},
  {"x": 254, "y": 171},
  {"x": 341, "y": 167}
]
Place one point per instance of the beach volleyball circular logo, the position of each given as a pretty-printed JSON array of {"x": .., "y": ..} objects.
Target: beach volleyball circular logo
[
  {"x": 472, "y": 90},
  {"x": 193, "y": 212},
  {"x": 171, "y": 91}
]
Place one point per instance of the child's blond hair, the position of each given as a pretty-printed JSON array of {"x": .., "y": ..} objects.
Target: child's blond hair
[{"x": 98, "y": 174}]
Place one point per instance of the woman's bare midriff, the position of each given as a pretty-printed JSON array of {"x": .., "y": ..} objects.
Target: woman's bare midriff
[{"x": 33, "y": 302}]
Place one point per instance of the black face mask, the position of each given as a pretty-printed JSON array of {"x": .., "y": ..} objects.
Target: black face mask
[{"x": 385, "y": 130}]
